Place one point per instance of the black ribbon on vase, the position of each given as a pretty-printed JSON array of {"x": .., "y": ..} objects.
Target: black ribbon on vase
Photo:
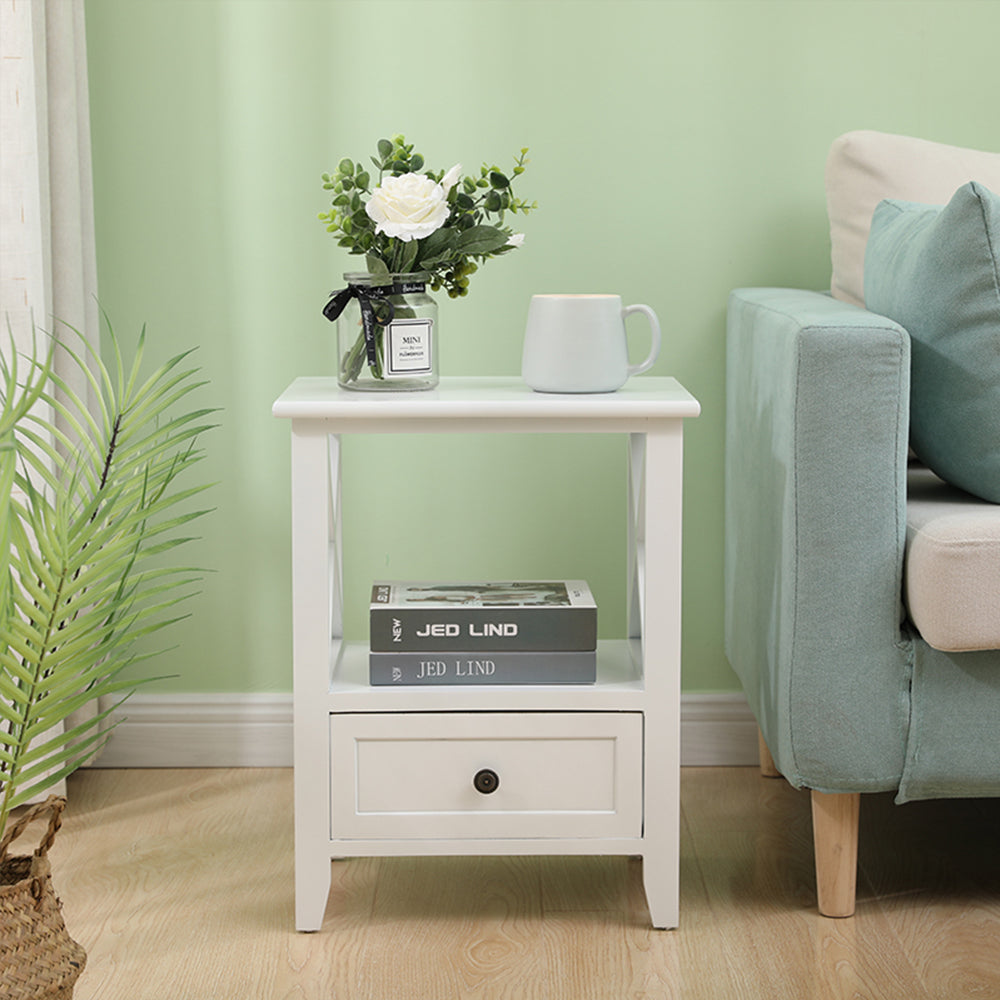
[{"x": 366, "y": 294}]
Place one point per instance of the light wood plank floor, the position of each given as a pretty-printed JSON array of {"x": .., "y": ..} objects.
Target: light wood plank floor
[{"x": 179, "y": 886}]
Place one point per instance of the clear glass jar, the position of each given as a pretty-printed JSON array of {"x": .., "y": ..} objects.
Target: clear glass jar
[{"x": 387, "y": 334}]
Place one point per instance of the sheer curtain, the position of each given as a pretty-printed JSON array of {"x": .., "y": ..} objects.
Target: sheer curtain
[{"x": 48, "y": 270}]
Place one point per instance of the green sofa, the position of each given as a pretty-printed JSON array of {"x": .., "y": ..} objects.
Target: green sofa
[{"x": 862, "y": 590}]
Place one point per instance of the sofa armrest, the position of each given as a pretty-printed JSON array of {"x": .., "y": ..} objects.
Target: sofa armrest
[{"x": 817, "y": 394}]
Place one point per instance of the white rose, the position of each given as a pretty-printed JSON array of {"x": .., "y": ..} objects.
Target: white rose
[
  {"x": 409, "y": 207},
  {"x": 516, "y": 240}
]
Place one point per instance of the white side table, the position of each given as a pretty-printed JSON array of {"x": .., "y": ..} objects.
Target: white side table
[{"x": 590, "y": 769}]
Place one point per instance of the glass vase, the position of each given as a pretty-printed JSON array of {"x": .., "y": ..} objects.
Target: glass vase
[{"x": 387, "y": 334}]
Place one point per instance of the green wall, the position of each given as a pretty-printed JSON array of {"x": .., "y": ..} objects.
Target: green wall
[{"x": 677, "y": 151}]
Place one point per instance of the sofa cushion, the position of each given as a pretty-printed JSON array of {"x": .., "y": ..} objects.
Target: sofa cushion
[
  {"x": 952, "y": 569},
  {"x": 936, "y": 271},
  {"x": 864, "y": 167}
]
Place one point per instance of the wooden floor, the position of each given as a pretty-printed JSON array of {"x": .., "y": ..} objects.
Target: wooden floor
[{"x": 179, "y": 886}]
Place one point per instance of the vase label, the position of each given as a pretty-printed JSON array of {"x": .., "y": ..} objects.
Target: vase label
[{"x": 409, "y": 348}]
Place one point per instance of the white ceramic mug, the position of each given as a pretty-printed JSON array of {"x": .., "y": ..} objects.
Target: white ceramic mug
[{"x": 577, "y": 343}]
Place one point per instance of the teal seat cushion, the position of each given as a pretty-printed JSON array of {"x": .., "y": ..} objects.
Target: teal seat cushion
[{"x": 935, "y": 270}]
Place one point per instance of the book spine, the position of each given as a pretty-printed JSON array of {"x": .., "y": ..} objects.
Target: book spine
[
  {"x": 483, "y": 630},
  {"x": 482, "y": 668}
]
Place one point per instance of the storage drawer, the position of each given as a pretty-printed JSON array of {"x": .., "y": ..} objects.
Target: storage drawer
[{"x": 428, "y": 775}]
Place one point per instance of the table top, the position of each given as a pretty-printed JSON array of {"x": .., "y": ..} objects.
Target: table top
[{"x": 485, "y": 397}]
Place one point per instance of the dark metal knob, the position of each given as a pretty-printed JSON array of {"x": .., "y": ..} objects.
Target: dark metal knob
[{"x": 486, "y": 781}]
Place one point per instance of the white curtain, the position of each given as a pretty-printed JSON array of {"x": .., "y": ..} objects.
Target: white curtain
[{"x": 48, "y": 270}]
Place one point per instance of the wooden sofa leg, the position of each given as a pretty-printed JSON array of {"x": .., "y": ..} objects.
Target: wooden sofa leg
[
  {"x": 768, "y": 768},
  {"x": 835, "y": 839}
]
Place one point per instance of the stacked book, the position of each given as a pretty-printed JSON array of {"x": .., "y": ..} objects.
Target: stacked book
[{"x": 483, "y": 633}]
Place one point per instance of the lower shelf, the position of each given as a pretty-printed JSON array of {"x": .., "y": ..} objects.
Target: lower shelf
[{"x": 619, "y": 687}]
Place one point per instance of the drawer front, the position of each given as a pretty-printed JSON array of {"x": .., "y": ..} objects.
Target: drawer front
[{"x": 539, "y": 775}]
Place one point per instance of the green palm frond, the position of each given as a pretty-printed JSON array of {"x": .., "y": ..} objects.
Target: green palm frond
[
  {"x": 83, "y": 575},
  {"x": 16, "y": 403}
]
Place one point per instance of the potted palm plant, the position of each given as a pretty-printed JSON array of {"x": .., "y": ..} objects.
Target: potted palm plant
[{"x": 91, "y": 505}]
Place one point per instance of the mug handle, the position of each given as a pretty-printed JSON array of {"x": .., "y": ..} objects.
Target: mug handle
[{"x": 654, "y": 350}]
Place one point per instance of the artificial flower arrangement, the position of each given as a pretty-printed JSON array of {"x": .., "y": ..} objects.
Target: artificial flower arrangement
[{"x": 437, "y": 224}]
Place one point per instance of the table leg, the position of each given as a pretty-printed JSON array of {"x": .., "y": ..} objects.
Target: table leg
[
  {"x": 312, "y": 603},
  {"x": 661, "y": 651}
]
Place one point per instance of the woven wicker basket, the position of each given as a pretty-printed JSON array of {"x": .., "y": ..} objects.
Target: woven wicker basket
[{"x": 38, "y": 958}]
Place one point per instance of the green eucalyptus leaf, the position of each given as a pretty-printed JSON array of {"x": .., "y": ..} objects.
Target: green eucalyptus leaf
[
  {"x": 427, "y": 263},
  {"x": 481, "y": 240},
  {"x": 408, "y": 255},
  {"x": 438, "y": 240},
  {"x": 385, "y": 148},
  {"x": 376, "y": 266}
]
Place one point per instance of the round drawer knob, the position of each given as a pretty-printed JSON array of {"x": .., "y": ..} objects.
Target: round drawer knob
[{"x": 486, "y": 781}]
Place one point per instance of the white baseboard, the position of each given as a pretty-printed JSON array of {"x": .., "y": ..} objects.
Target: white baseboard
[
  {"x": 255, "y": 730},
  {"x": 201, "y": 730},
  {"x": 718, "y": 730}
]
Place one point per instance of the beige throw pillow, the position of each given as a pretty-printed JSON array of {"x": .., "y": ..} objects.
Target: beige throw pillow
[{"x": 864, "y": 167}]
